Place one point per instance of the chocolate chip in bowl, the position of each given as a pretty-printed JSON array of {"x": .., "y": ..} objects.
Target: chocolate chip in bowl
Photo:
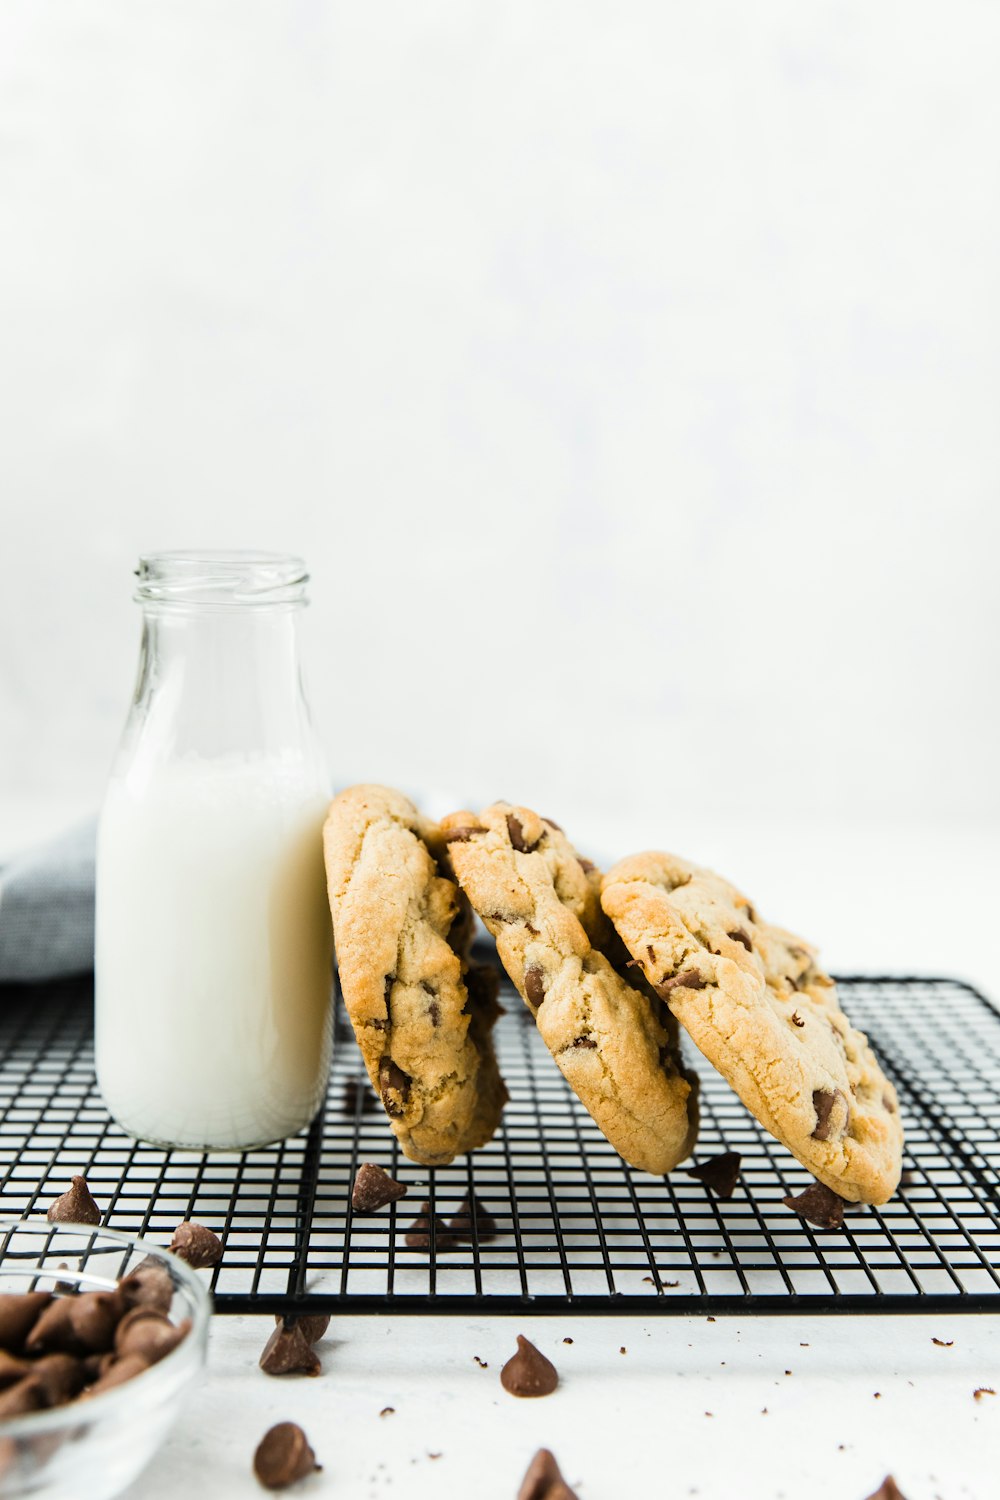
[{"x": 90, "y": 1380}]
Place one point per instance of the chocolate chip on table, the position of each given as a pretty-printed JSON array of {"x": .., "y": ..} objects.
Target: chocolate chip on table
[
  {"x": 888, "y": 1490},
  {"x": 820, "y": 1205},
  {"x": 288, "y": 1352},
  {"x": 374, "y": 1188},
  {"x": 394, "y": 1086},
  {"x": 311, "y": 1325},
  {"x": 720, "y": 1173},
  {"x": 76, "y": 1206},
  {"x": 283, "y": 1456},
  {"x": 19, "y": 1312},
  {"x": 419, "y": 1234},
  {"x": 528, "y": 1372},
  {"x": 149, "y": 1334},
  {"x": 544, "y": 1481},
  {"x": 196, "y": 1244},
  {"x": 473, "y": 1212},
  {"x": 517, "y": 838},
  {"x": 824, "y": 1103}
]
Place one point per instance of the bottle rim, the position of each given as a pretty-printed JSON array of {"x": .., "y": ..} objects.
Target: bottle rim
[{"x": 220, "y": 577}]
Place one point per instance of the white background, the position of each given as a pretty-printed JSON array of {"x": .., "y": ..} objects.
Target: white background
[{"x": 628, "y": 376}]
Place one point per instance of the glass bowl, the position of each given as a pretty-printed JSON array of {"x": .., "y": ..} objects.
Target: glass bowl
[{"x": 92, "y": 1449}]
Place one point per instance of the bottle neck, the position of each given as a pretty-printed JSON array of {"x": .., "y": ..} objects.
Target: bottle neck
[{"x": 218, "y": 683}]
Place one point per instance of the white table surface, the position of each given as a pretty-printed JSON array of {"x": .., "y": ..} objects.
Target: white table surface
[{"x": 691, "y": 1408}]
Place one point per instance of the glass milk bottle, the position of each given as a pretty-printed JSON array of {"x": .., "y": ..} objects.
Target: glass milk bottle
[{"x": 213, "y": 947}]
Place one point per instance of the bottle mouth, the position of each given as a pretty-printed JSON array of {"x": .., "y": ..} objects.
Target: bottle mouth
[{"x": 210, "y": 578}]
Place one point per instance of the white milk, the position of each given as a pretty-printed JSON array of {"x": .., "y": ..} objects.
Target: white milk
[{"x": 213, "y": 952}]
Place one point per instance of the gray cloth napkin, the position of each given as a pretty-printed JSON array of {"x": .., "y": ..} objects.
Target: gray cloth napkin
[{"x": 47, "y": 909}]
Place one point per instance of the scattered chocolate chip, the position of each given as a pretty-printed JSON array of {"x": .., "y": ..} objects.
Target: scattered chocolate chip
[
  {"x": 419, "y": 1234},
  {"x": 394, "y": 1086},
  {"x": 460, "y": 835},
  {"x": 720, "y": 1173},
  {"x": 312, "y": 1326},
  {"x": 820, "y": 1205},
  {"x": 688, "y": 979},
  {"x": 76, "y": 1206},
  {"x": 27, "y": 1395},
  {"x": 374, "y": 1188},
  {"x": 517, "y": 838},
  {"x": 983, "y": 1390},
  {"x": 567, "y": 1341},
  {"x": 196, "y": 1244},
  {"x": 543, "y": 1480},
  {"x": 796, "y": 1019},
  {"x": 93, "y": 1317},
  {"x": 283, "y": 1456},
  {"x": 288, "y": 1352},
  {"x": 357, "y": 1098},
  {"x": 824, "y": 1103},
  {"x": 623, "y": 1350},
  {"x": 482, "y": 1363},
  {"x": 19, "y": 1312},
  {"x": 887, "y": 1490},
  {"x": 534, "y": 984},
  {"x": 528, "y": 1372},
  {"x": 116, "y": 1372},
  {"x": 387, "y": 1411},
  {"x": 149, "y": 1285},
  {"x": 739, "y": 936},
  {"x": 61, "y": 1377},
  {"x": 53, "y": 1331},
  {"x": 472, "y": 1209},
  {"x": 13, "y": 1368},
  {"x": 149, "y": 1334}
]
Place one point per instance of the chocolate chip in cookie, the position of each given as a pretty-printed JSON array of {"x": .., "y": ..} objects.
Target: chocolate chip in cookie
[
  {"x": 688, "y": 979},
  {"x": 832, "y": 1114},
  {"x": 394, "y": 1086}
]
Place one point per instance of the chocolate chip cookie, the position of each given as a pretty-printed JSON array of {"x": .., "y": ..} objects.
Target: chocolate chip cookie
[
  {"x": 421, "y": 1013},
  {"x": 613, "y": 1039},
  {"x": 763, "y": 1012}
]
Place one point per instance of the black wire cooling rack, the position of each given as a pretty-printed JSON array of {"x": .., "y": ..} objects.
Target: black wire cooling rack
[{"x": 577, "y": 1229}]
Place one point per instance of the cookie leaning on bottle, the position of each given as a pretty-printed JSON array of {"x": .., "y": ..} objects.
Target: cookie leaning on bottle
[
  {"x": 613, "y": 1040},
  {"x": 755, "y": 1001},
  {"x": 422, "y": 1014}
]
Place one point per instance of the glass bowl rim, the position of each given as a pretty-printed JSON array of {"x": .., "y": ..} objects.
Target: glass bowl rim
[{"x": 106, "y": 1402}]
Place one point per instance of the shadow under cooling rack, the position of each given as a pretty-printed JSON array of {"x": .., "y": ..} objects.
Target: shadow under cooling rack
[{"x": 577, "y": 1228}]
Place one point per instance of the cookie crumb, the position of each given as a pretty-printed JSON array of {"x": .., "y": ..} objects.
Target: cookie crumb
[
  {"x": 483, "y": 1365},
  {"x": 623, "y": 1350},
  {"x": 710, "y": 1319},
  {"x": 943, "y": 1343},
  {"x": 567, "y": 1341},
  {"x": 983, "y": 1390},
  {"x": 387, "y": 1411}
]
